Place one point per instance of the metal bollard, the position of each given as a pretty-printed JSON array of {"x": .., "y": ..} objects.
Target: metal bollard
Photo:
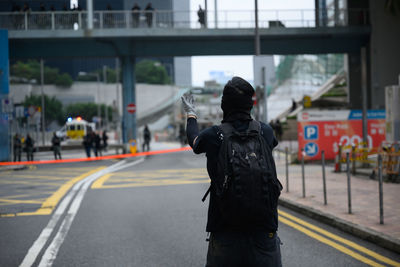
[
  {"x": 348, "y": 181},
  {"x": 380, "y": 189},
  {"x": 302, "y": 172},
  {"x": 340, "y": 159},
  {"x": 353, "y": 158},
  {"x": 287, "y": 169},
  {"x": 323, "y": 176}
]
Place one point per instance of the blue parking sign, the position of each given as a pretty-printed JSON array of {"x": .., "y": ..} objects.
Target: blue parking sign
[
  {"x": 311, "y": 149},
  {"x": 311, "y": 132}
]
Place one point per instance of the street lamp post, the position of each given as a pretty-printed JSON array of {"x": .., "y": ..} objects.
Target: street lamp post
[
  {"x": 43, "y": 107},
  {"x": 82, "y": 73},
  {"x": 257, "y": 34},
  {"x": 98, "y": 99}
]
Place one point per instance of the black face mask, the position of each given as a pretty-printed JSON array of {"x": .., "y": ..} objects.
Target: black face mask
[
  {"x": 237, "y": 100},
  {"x": 237, "y": 116}
]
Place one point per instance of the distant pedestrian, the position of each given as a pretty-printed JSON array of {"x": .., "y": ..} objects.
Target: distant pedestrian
[
  {"x": 97, "y": 144},
  {"x": 56, "y": 146},
  {"x": 29, "y": 146},
  {"x": 26, "y": 7},
  {"x": 42, "y": 19},
  {"x": 17, "y": 147},
  {"x": 278, "y": 130},
  {"x": 17, "y": 17},
  {"x": 146, "y": 138},
  {"x": 109, "y": 17},
  {"x": 201, "y": 15},
  {"x": 182, "y": 135},
  {"x": 135, "y": 15},
  {"x": 272, "y": 124},
  {"x": 105, "y": 140},
  {"x": 42, "y": 8},
  {"x": 294, "y": 105},
  {"x": 149, "y": 14},
  {"x": 87, "y": 143}
]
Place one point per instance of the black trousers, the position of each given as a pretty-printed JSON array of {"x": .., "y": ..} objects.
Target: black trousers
[{"x": 244, "y": 249}]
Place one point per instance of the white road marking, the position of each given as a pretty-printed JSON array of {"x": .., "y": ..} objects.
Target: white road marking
[{"x": 53, "y": 248}]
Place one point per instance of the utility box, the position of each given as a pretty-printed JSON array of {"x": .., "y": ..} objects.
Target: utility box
[{"x": 392, "y": 101}]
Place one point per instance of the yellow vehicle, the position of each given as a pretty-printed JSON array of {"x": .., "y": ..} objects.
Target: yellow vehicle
[{"x": 76, "y": 128}]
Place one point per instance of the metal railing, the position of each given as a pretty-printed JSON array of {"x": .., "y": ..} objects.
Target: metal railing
[{"x": 74, "y": 20}]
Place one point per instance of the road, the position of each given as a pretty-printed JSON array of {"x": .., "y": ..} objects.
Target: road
[{"x": 141, "y": 212}]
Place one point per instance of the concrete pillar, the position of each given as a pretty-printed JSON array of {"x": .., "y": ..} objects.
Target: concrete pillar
[
  {"x": 89, "y": 7},
  {"x": 128, "y": 97},
  {"x": 354, "y": 81}
]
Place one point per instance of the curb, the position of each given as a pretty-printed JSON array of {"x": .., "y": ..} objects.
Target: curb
[{"x": 370, "y": 235}]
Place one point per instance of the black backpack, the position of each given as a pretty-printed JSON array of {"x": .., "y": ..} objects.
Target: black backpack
[{"x": 246, "y": 186}]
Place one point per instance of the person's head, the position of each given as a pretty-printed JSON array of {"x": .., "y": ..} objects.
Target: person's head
[{"x": 237, "y": 97}]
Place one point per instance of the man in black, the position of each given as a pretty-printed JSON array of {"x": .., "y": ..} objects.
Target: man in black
[
  {"x": 29, "y": 143},
  {"x": 87, "y": 143},
  {"x": 17, "y": 147},
  {"x": 56, "y": 146},
  {"x": 249, "y": 245},
  {"x": 146, "y": 138},
  {"x": 135, "y": 15},
  {"x": 105, "y": 138},
  {"x": 149, "y": 14},
  {"x": 201, "y": 15}
]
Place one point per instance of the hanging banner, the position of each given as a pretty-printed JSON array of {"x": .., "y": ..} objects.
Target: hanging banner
[{"x": 327, "y": 129}]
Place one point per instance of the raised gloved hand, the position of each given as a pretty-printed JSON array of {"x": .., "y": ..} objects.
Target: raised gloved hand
[{"x": 188, "y": 105}]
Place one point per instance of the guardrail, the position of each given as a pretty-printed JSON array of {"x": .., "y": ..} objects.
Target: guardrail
[{"x": 74, "y": 20}]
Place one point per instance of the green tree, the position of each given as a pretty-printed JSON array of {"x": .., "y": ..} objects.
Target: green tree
[
  {"x": 52, "y": 107},
  {"x": 152, "y": 72},
  {"x": 86, "y": 111},
  {"x": 30, "y": 70}
]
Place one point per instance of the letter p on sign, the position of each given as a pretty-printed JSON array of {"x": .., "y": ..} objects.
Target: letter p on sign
[{"x": 311, "y": 132}]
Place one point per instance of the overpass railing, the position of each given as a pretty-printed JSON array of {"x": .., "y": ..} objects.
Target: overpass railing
[{"x": 74, "y": 20}]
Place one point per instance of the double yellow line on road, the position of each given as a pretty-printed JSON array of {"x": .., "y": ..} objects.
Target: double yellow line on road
[
  {"x": 335, "y": 241},
  {"x": 51, "y": 202}
]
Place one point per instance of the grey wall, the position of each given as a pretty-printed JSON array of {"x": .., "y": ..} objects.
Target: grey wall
[{"x": 385, "y": 51}]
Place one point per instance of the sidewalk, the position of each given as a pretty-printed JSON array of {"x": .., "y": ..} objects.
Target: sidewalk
[{"x": 364, "y": 219}]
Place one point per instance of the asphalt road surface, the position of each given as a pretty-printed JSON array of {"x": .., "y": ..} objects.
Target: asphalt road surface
[{"x": 141, "y": 212}]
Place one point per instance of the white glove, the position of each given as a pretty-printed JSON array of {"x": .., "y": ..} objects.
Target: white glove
[{"x": 188, "y": 105}]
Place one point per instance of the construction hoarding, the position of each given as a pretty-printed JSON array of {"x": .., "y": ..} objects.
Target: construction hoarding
[{"x": 327, "y": 129}]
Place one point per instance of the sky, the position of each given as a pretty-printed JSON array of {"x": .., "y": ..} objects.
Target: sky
[{"x": 237, "y": 65}]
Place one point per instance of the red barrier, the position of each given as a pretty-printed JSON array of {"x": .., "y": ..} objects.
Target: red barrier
[{"x": 141, "y": 154}]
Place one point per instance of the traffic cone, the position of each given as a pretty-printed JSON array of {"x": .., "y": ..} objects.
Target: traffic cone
[{"x": 337, "y": 165}]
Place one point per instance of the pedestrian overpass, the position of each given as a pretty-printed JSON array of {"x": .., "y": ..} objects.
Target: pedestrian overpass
[{"x": 67, "y": 34}]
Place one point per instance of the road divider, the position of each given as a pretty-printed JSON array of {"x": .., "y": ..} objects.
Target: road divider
[{"x": 120, "y": 156}]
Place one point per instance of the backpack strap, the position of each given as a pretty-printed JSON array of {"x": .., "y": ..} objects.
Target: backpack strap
[
  {"x": 223, "y": 130},
  {"x": 254, "y": 126}
]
